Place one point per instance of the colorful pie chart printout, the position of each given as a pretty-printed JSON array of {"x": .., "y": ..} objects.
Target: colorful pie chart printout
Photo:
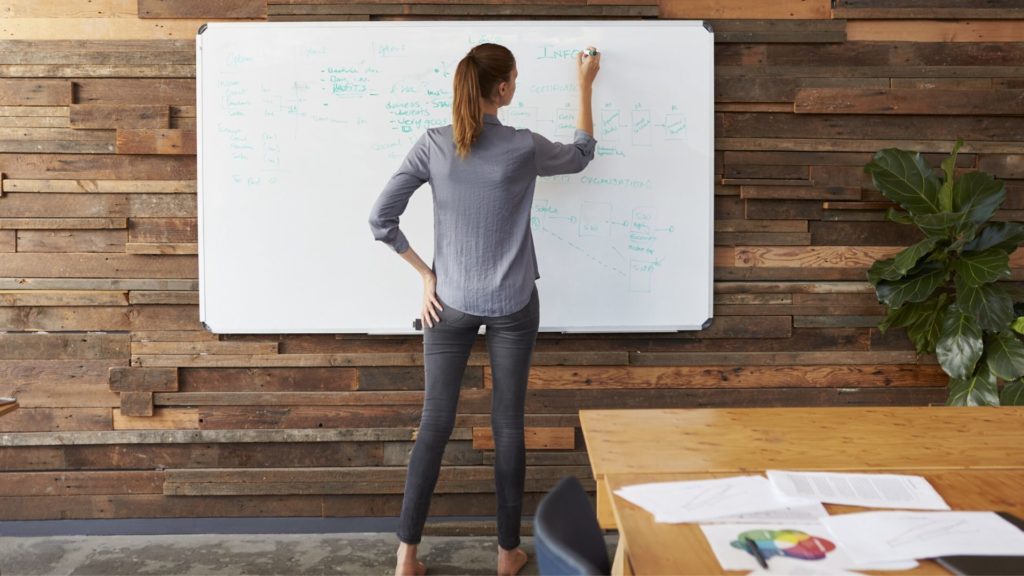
[
  {"x": 795, "y": 544},
  {"x": 797, "y": 547}
]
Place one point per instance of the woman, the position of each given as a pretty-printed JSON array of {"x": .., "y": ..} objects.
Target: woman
[{"x": 483, "y": 175}]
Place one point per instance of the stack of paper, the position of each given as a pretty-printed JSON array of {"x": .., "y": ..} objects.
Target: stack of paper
[
  {"x": 697, "y": 500},
  {"x": 889, "y": 536},
  {"x": 784, "y": 515},
  {"x": 869, "y": 490}
]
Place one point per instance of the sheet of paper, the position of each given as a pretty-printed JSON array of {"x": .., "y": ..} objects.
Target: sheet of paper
[
  {"x": 889, "y": 536},
  {"x": 789, "y": 548},
  {"x": 696, "y": 500},
  {"x": 807, "y": 513},
  {"x": 871, "y": 490}
]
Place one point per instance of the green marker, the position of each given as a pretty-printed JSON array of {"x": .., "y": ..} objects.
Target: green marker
[{"x": 590, "y": 52}]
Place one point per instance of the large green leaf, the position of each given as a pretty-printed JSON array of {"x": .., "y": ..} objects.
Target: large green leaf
[
  {"x": 1013, "y": 394},
  {"x": 1018, "y": 325},
  {"x": 1004, "y": 235},
  {"x": 978, "y": 195},
  {"x": 898, "y": 266},
  {"x": 978, "y": 390},
  {"x": 977, "y": 268},
  {"x": 960, "y": 345},
  {"x": 926, "y": 328},
  {"x": 908, "y": 258},
  {"x": 916, "y": 287},
  {"x": 941, "y": 225},
  {"x": 883, "y": 270},
  {"x": 1004, "y": 354},
  {"x": 905, "y": 179},
  {"x": 899, "y": 217},
  {"x": 989, "y": 304},
  {"x": 948, "y": 169},
  {"x": 923, "y": 321}
]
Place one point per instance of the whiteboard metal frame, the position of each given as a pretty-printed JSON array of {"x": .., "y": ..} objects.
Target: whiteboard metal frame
[{"x": 709, "y": 83}]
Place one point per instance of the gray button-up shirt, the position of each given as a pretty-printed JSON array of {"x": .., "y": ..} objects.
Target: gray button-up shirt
[{"x": 484, "y": 258}]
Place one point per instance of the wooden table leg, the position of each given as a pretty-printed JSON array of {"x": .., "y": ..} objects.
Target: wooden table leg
[{"x": 620, "y": 566}]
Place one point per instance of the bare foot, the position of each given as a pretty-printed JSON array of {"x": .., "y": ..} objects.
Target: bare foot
[
  {"x": 408, "y": 565},
  {"x": 510, "y": 562}
]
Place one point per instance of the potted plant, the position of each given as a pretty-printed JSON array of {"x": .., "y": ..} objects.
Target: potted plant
[{"x": 944, "y": 290}]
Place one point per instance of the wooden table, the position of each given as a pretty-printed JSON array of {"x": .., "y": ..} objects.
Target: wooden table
[
  {"x": 647, "y": 547},
  {"x": 755, "y": 439},
  {"x": 5, "y": 408},
  {"x": 973, "y": 456}
]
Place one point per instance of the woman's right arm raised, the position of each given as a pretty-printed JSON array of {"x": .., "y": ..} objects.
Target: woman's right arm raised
[
  {"x": 557, "y": 158},
  {"x": 588, "y": 62}
]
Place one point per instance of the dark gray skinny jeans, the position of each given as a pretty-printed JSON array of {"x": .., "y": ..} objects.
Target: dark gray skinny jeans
[{"x": 446, "y": 348}]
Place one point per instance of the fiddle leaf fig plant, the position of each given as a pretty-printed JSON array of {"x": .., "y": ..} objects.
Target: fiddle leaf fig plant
[{"x": 945, "y": 290}]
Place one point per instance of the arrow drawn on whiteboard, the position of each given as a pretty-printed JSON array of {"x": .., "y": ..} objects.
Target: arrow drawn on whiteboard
[{"x": 584, "y": 251}]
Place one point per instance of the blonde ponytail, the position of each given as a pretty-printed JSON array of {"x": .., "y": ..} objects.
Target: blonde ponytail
[
  {"x": 467, "y": 119},
  {"x": 477, "y": 76}
]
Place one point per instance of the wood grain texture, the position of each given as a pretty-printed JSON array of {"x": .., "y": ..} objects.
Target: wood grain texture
[
  {"x": 536, "y": 438},
  {"x": 736, "y": 374},
  {"x": 111, "y": 116},
  {"x": 740, "y": 9},
  {"x": 202, "y": 8},
  {"x": 124, "y": 379},
  {"x": 770, "y": 31},
  {"x": 97, "y": 29},
  {"x": 904, "y": 101},
  {"x": 1000, "y": 29},
  {"x": 35, "y": 92},
  {"x": 139, "y": 404},
  {"x": 143, "y": 141},
  {"x": 71, "y": 240}
]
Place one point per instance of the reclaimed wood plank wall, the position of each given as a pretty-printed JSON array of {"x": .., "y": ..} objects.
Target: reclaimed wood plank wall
[{"x": 130, "y": 409}]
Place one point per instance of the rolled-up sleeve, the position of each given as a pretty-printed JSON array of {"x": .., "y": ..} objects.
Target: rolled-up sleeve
[
  {"x": 558, "y": 158},
  {"x": 414, "y": 171}
]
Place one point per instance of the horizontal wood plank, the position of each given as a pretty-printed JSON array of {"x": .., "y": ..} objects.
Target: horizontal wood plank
[
  {"x": 130, "y": 379},
  {"x": 772, "y": 30},
  {"x": 113, "y": 116},
  {"x": 162, "y": 419},
  {"x": 102, "y": 186},
  {"x": 142, "y": 141},
  {"x": 737, "y": 374},
  {"x": 63, "y": 28},
  {"x": 906, "y": 101},
  {"x": 71, "y": 240},
  {"x": 202, "y": 8},
  {"x": 163, "y": 297},
  {"x": 536, "y": 438},
  {"x": 34, "y": 92},
  {"x": 741, "y": 9},
  {"x": 924, "y": 27},
  {"x": 63, "y": 298}
]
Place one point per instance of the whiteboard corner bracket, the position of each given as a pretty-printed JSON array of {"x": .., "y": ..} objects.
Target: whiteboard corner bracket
[
  {"x": 201, "y": 29},
  {"x": 707, "y": 26}
]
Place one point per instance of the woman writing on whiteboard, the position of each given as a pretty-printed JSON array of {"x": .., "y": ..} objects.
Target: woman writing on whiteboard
[{"x": 483, "y": 175}]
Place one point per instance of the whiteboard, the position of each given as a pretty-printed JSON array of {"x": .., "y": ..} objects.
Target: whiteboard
[{"x": 300, "y": 125}]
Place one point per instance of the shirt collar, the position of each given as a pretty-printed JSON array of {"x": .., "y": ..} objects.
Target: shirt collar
[{"x": 491, "y": 119}]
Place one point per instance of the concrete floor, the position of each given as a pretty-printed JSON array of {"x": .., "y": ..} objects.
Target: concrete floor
[{"x": 246, "y": 554}]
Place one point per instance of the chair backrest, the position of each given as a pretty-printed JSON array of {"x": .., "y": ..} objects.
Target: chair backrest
[{"x": 567, "y": 537}]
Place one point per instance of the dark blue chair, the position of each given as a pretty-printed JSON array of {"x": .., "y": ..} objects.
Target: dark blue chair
[{"x": 567, "y": 538}]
